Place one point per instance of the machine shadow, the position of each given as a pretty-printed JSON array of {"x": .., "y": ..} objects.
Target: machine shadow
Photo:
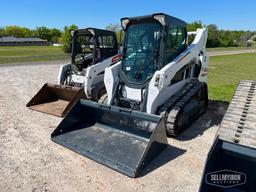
[
  {"x": 213, "y": 117},
  {"x": 168, "y": 154}
]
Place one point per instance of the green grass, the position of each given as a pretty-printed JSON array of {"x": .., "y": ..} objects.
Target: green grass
[
  {"x": 226, "y": 71},
  {"x": 16, "y": 54},
  {"x": 229, "y": 48}
]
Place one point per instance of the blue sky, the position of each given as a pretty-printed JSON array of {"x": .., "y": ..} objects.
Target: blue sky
[{"x": 227, "y": 14}]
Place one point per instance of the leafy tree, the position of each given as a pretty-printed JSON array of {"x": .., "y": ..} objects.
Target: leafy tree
[
  {"x": 16, "y": 31},
  {"x": 226, "y": 39},
  {"x": 113, "y": 27},
  {"x": 55, "y": 35},
  {"x": 43, "y": 33},
  {"x": 66, "y": 38},
  {"x": 216, "y": 37},
  {"x": 118, "y": 30},
  {"x": 2, "y": 32},
  {"x": 245, "y": 37},
  {"x": 28, "y": 33},
  {"x": 120, "y": 36},
  {"x": 213, "y": 40},
  {"x": 51, "y": 35},
  {"x": 194, "y": 26}
]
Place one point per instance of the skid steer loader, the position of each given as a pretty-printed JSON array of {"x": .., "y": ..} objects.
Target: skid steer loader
[
  {"x": 92, "y": 51},
  {"x": 158, "y": 87},
  {"x": 230, "y": 165}
]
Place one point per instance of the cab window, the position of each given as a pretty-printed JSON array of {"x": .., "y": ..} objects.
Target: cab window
[
  {"x": 82, "y": 44},
  {"x": 106, "y": 42},
  {"x": 175, "y": 43}
]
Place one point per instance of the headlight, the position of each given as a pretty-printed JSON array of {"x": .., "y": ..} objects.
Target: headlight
[
  {"x": 124, "y": 93},
  {"x": 159, "y": 18},
  {"x": 124, "y": 22},
  {"x": 72, "y": 33}
]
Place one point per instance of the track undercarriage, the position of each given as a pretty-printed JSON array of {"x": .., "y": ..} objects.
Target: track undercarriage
[{"x": 185, "y": 107}]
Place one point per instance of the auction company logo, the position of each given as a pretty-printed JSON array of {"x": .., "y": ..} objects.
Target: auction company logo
[{"x": 225, "y": 178}]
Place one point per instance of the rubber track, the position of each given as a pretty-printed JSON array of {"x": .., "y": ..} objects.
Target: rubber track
[
  {"x": 239, "y": 123},
  {"x": 173, "y": 106}
]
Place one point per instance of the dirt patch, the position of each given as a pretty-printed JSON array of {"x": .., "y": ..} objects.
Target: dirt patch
[{"x": 30, "y": 161}]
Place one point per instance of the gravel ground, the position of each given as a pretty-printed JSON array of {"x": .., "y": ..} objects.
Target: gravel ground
[{"x": 30, "y": 161}]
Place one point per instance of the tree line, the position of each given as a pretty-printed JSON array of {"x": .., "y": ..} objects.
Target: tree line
[
  {"x": 224, "y": 38},
  {"x": 216, "y": 37},
  {"x": 50, "y": 34}
]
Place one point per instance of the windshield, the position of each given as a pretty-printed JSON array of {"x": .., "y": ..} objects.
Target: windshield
[
  {"x": 83, "y": 44},
  {"x": 142, "y": 45}
]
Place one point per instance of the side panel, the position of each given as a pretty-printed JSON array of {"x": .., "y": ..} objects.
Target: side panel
[
  {"x": 203, "y": 76},
  {"x": 203, "y": 58},
  {"x": 160, "y": 88},
  {"x": 157, "y": 97},
  {"x": 62, "y": 73},
  {"x": 95, "y": 74},
  {"x": 110, "y": 78}
]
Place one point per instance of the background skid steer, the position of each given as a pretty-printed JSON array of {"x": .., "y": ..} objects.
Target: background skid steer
[
  {"x": 159, "y": 87},
  {"x": 92, "y": 51}
]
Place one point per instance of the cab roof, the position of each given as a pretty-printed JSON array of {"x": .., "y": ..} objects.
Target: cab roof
[
  {"x": 94, "y": 32},
  {"x": 168, "y": 20}
]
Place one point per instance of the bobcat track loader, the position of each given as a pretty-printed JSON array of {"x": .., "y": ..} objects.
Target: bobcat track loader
[
  {"x": 92, "y": 51},
  {"x": 158, "y": 87}
]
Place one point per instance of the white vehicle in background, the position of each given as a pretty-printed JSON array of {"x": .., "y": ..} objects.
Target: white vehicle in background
[{"x": 92, "y": 51}]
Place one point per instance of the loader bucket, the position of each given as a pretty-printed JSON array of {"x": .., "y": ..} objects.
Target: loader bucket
[
  {"x": 229, "y": 167},
  {"x": 55, "y": 99},
  {"x": 123, "y": 140}
]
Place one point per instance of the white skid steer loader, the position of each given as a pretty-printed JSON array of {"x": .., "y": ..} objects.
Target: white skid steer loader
[
  {"x": 158, "y": 87},
  {"x": 92, "y": 51}
]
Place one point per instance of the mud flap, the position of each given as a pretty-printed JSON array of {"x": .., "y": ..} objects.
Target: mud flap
[
  {"x": 121, "y": 139},
  {"x": 56, "y": 99}
]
